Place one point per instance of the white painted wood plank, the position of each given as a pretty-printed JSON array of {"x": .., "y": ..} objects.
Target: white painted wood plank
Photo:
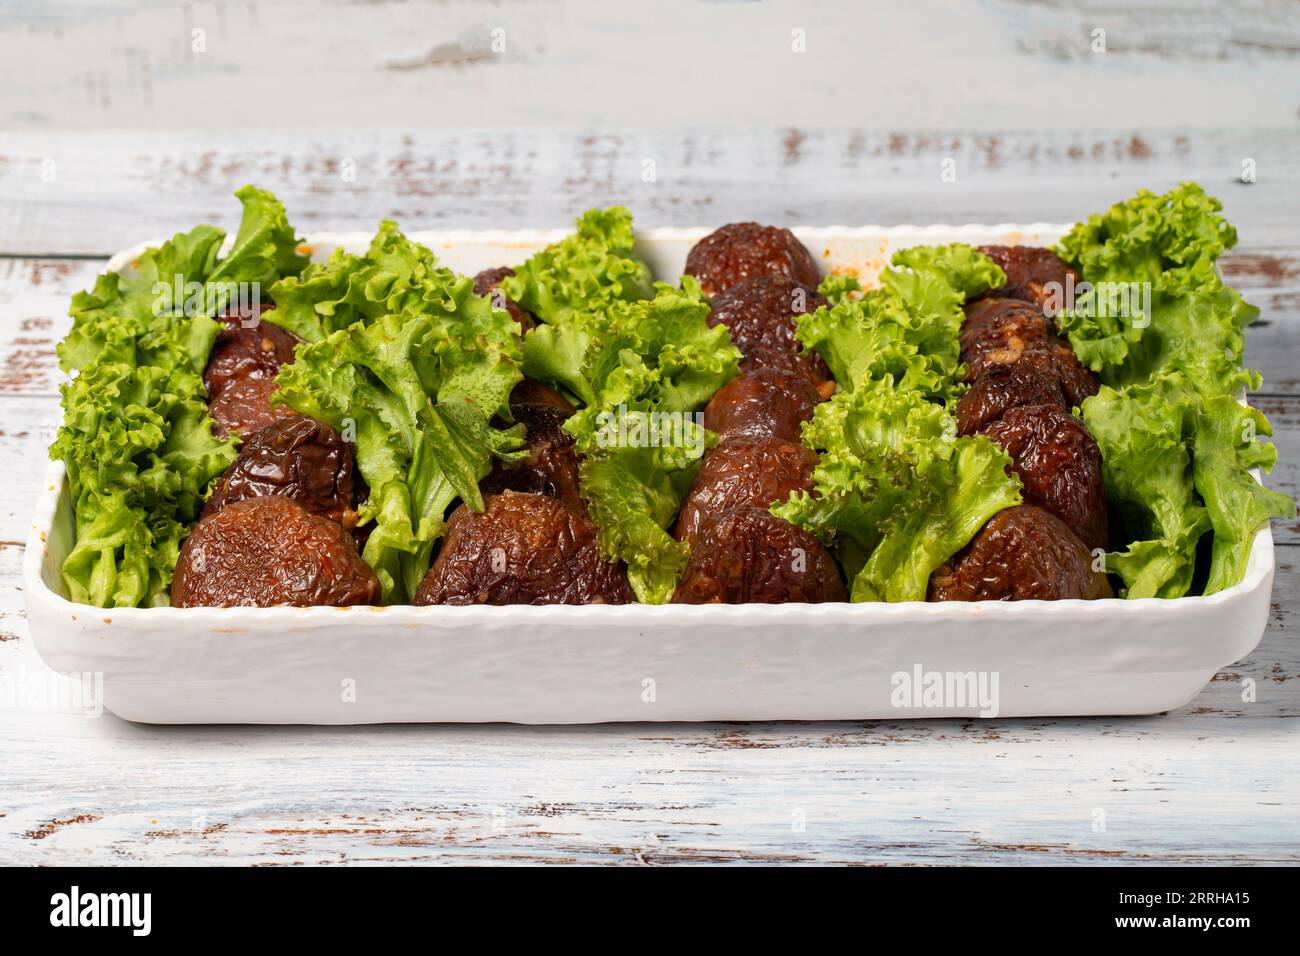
[
  {"x": 165, "y": 182},
  {"x": 34, "y": 298},
  {"x": 432, "y": 63}
]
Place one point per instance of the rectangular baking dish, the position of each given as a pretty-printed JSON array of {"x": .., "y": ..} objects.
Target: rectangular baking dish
[{"x": 560, "y": 664}]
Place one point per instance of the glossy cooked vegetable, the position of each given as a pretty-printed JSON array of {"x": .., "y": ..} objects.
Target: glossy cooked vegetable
[
  {"x": 759, "y": 314},
  {"x": 551, "y": 465},
  {"x": 762, "y": 403},
  {"x": 1023, "y": 554},
  {"x": 1058, "y": 464},
  {"x": 743, "y": 471},
  {"x": 522, "y": 549},
  {"x": 1000, "y": 388},
  {"x": 266, "y": 551},
  {"x": 747, "y": 555},
  {"x": 728, "y": 256},
  {"x": 241, "y": 370},
  {"x": 299, "y": 458},
  {"x": 1034, "y": 275},
  {"x": 1011, "y": 332},
  {"x": 657, "y": 365}
]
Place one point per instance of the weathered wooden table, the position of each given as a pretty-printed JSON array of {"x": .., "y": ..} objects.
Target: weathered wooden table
[{"x": 1215, "y": 781}]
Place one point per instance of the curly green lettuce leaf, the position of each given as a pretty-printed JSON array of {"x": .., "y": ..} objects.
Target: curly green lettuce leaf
[
  {"x": 1143, "y": 436},
  {"x": 572, "y": 286},
  {"x": 417, "y": 455},
  {"x": 876, "y": 335},
  {"x": 972, "y": 486},
  {"x": 557, "y": 355},
  {"x": 395, "y": 275},
  {"x": 839, "y": 286},
  {"x": 907, "y": 329},
  {"x": 1151, "y": 300},
  {"x": 1159, "y": 325},
  {"x": 585, "y": 273},
  {"x": 1224, "y": 449},
  {"x": 936, "y": 280},
  {"x": 1157, "y": 239},
  {"x": 652, "y": 365},
  {"x": 873, "y": 442},
  {"x": 639, "y": 358},
  {"x": 321, "y": 300},
  {"x": 136, "y": 317},
  {"x": 1197, "y": 332},
  {"x": 896, "y": 491},
  {"x": 136, "y": 438},
  {"x": 1176, "y": 464},
  {"x": 633, "y": 502},
  {"x": 265, "y": 249},
  {"x": 140, "y": 455},
  {"x": 415, "y": 377},
  {"x": 657, "y": 354},
  {"x": 170, "y": 293}
]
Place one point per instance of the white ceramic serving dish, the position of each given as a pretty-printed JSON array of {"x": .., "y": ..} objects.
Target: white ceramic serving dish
[{"x": 560, "y": 664}]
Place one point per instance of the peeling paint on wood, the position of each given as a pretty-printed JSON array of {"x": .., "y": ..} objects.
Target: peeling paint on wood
[
  {"x": 495, "y": 179},
  {"x": 451, "y": 63}
]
